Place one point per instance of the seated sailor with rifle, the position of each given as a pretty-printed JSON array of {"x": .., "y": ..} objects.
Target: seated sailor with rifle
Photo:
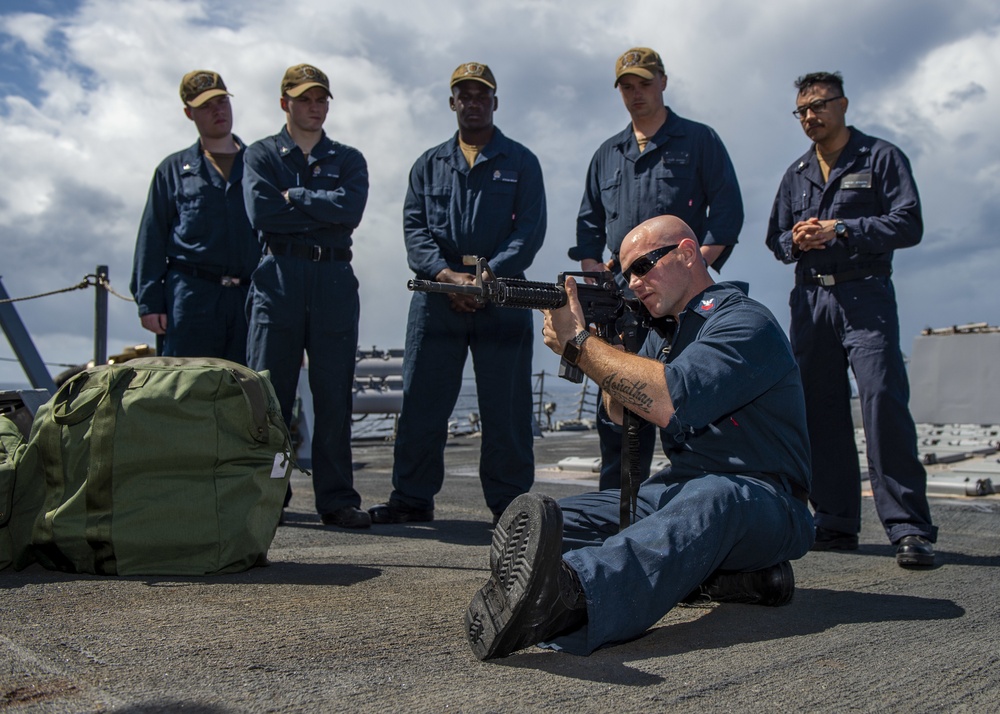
[{"x": 720, "y": 523}]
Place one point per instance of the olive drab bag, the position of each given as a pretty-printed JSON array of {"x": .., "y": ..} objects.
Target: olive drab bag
[
  {"x": 21, "y": 497},
  {"x": 159, "y": 466}
]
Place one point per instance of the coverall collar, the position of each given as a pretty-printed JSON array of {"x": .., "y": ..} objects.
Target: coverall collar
[
  {"x": 451, "y": 152},
  {"x": 194, "y": 162},
  {"x": 286, "y": 145},
  {"x": 629, "y": 147},
  {"x": 859, "y": 145}
]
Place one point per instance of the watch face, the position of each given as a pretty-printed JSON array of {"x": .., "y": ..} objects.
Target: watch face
[
  {"x": 571, "y": 352},
  {"x": 840, "y": 229}
]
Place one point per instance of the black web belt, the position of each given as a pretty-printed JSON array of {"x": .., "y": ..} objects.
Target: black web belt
[
  {"x": 213, "y": 276},
  {"x": 304, "y": 251},
  {"x": 829, "y": 279}
]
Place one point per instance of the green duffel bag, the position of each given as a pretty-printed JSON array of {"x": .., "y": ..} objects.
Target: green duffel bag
[
  {"x": 21, "y": 496},
  {"x": 160, "y": 466}
]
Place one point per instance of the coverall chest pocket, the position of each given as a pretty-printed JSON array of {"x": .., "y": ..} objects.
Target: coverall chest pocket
[
  {"x": 324, "y": 177},
  {"x": 502, "y": 194},
  {"x": 855, "y": 203},
  {"x": 673, "y": 176},
  {"x": 192, "y": 220},
  {"x": 610, "y": 191},
  {"x": 803, "y": 206},
  {"x": 437, "y": 200}
]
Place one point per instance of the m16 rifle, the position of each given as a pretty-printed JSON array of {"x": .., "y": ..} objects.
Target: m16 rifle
[{"x": 618, "y": 319}]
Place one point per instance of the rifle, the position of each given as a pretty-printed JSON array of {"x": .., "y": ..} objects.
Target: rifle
[
  {"x": 618, "y": 320},
  {"x": 616, "y": 317}
]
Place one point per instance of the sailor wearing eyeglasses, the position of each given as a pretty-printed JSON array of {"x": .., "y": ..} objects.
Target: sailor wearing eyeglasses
[
  {"x": 840, "y": 212},
  {"x": 720, "y": 523}
]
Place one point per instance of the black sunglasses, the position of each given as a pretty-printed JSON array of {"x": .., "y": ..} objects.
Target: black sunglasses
[{"x": 644, "y": 263}]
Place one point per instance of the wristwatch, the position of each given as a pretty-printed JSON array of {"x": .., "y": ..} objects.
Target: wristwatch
[
  {"x": 840, "y": 229},
  {"x": 571, "y": 350}
]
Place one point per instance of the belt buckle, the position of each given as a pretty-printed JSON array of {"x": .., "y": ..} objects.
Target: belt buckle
[
  {"x": 826, "y": 280},
  {"x": 315, "y": 253},
  {"x": 228, "y": 281}
]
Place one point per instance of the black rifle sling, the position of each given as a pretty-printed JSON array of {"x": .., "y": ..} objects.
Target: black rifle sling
[
  {"x": 631, "y": 465},
  {"x": 632, "y": 333}
]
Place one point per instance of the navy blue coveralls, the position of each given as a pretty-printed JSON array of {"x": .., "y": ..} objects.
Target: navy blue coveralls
[
  {"x": 684, "y": 171},
  {"x": 850, "y": 320},
  {"x": 304, "y": 297},
  {"x": 194, "y": 240},
  {"x": 734, "y": 495},
  {"x": 496, "y": 210}
]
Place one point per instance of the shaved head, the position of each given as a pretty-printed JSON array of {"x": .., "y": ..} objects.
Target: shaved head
[
  {"x": 669, "y": 279},
  {"x": 659, "y": 231}
]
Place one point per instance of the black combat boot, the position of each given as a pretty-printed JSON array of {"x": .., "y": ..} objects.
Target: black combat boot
[
  {"x": 532, "y": 594},
  {"x": 771, "y": 586}
]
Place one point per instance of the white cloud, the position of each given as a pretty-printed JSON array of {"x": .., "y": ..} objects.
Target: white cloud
[
  {"x": 81, "y": 143},
  {"x": 30, "y": 29}
]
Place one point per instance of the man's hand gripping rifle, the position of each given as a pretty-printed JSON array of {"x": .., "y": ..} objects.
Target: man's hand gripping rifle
[{"x": 604, "y": 305}]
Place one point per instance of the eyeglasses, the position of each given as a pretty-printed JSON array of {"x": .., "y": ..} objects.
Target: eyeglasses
[
  {"x": 644, "y": 263},
  {"x": 817, "y": 107}
]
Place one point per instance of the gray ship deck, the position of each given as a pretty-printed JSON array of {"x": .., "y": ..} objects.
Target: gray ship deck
[{"x": 372, "y": 621}]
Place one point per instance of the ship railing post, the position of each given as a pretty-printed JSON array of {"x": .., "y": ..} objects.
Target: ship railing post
[
  {"x": 101, "y": 316},
  {"x": 541, "y": 395}
]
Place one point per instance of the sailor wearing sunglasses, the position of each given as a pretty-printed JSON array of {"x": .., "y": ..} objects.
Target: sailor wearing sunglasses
[{"x": 720, "y": 523}]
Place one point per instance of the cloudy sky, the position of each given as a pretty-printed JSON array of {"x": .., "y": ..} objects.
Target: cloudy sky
[{"x": 89, "y": 106}]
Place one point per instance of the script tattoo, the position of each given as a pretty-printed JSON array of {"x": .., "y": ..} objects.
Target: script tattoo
[{"x": 631, "y": 394}]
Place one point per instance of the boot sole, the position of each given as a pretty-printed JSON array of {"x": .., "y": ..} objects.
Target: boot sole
[
  {"x": 521, "y": 542},
  {"x": 914, "y": 560}
]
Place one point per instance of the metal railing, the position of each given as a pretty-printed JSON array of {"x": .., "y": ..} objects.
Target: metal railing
[{"x": 24, "y": 347}]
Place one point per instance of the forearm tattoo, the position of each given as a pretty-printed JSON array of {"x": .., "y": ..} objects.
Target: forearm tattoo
[{"x": 631, "y": 394}]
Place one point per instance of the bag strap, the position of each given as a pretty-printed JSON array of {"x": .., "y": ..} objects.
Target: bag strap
[
  {"x": 100, "y": 481},
  {"x": 11, "y": 441},
  {"x": 249, "y": 382}
]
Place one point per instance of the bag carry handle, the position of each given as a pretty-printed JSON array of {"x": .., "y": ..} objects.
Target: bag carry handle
[{"x": 65, "y": 415}]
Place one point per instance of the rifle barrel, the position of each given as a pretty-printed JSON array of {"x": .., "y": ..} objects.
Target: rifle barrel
[{"x": 429, "y": 286}]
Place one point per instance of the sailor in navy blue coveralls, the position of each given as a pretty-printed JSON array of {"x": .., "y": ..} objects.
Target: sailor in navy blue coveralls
[
  {"x": 844, "y": 314},
  {"x": 304, "y": 299},
  {"x": 195, "y": 248},
  {"x": 726, "y": 390},
  {"x": 681, "y": 169},
  {"x": 452, "y": 213}
]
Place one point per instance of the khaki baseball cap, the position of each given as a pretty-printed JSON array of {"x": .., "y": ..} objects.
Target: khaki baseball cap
[
  {"x": 301, "y": 78},
  {"x": 640, "y": 61},
  {"x": 473, "y": 71},
  {"x": 201, "y": 85}
]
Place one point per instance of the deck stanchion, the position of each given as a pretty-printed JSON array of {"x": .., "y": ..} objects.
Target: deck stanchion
[{"x": 101, "y": 316}]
